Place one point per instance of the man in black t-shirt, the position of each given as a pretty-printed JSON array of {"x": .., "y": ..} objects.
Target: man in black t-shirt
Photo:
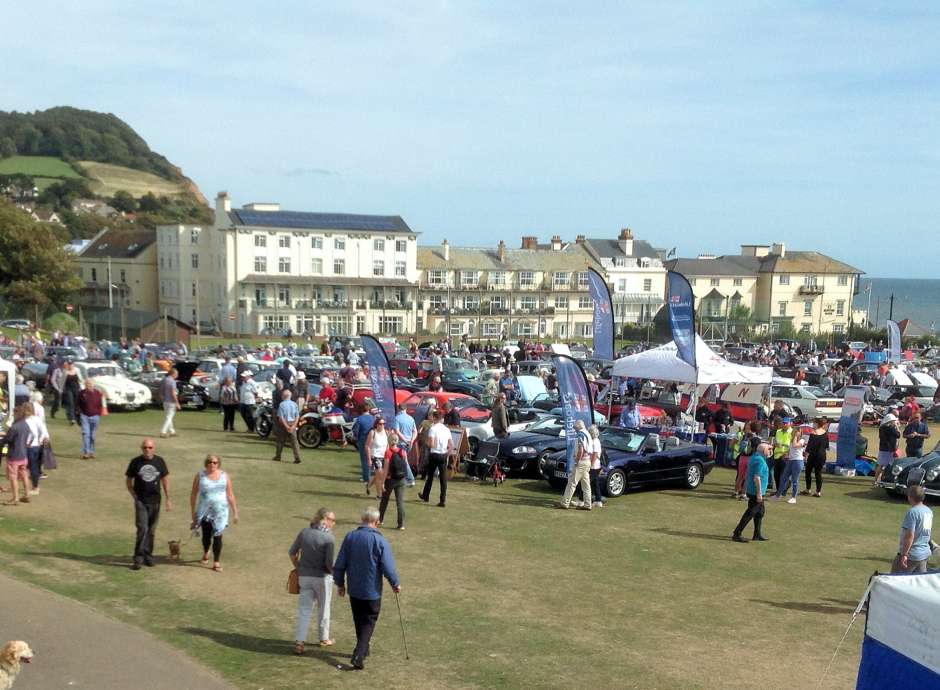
[{"x": 145, "y": 475}]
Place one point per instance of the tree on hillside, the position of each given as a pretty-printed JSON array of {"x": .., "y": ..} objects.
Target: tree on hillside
[
  {"x": 34, "y": 267},
  {"x": 123, "y": 201},
  {"x": 60, "y": 195},
  {"x": 149, "y": 203}
]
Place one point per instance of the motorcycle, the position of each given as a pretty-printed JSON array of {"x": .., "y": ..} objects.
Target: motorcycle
[{"x": 325, "y": 424}]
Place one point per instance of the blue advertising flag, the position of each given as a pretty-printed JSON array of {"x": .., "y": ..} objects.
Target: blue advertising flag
[
  {"x": 682, "y": 316},
  {"x": 576, "y": 402},
  {"x": 853, "y": 403},
  {"x": 380, "y": 376},
  {"x": 603, "y": 315},
  {"x": 894, "y": 342}
]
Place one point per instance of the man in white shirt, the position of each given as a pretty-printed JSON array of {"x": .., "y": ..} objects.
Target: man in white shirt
[
  {"x": 441, "y": 445},
  {"x": 581, "y": 474}
]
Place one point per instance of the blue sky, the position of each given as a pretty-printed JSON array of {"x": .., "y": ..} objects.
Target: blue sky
[{"x": 699, "y": 125}]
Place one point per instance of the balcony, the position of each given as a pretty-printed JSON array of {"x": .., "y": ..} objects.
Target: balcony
[
  {"x": 811, "y": 290},
  {"x": 390, "y": 304}
]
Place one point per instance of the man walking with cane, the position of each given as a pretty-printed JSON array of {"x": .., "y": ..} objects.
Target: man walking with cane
[{"x": 364, "y": 559}]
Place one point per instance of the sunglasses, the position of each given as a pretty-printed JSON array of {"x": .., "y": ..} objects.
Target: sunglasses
[
  {"x": 212, "y": 462},
  {"x": 146, "y": 447}
]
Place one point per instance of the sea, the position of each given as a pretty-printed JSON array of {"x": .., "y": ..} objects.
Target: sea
[{"x": 914, "y": 299}]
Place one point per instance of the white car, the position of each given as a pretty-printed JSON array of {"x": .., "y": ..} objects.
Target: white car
[
  {"x": 808, "y": 401},
  {"x": 112, "y": 381}
]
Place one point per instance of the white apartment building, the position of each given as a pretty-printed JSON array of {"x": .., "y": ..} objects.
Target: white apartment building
[{"x": 635, "y": 274}]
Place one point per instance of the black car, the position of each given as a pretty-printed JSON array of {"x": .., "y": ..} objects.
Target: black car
[
  {"x": 522, "y": 451},
  {"x": 896, "y": 478},
  {"x": 455, "y": 381},
  {"x": 633, "y": 458},
  {"x": 193, "y": 396}
]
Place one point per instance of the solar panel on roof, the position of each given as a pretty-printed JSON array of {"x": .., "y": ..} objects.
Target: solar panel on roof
[{"x": 321, "y": 221}]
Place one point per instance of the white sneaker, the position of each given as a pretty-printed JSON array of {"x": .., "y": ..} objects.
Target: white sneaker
[
  {"x": 579, "y": 504},
  {"x": 34, "y": 492},
  {"x": 791, "y": 500}
]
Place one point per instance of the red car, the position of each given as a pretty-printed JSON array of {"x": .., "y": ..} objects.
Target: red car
[
  {"x": 467, "y": 406},
  {"x": 411, "y": 368}
]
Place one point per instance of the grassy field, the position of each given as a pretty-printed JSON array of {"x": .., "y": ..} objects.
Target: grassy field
[
  {"x": 500, "y": 590},
  {"x": 37, "y": 166},
  {"x": 106, "y": 179}
]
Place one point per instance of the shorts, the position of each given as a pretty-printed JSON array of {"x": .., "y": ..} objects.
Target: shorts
[
  {"x": 885, "y": 457},
  {"x": 377, "y": 463},
  {"x": 13, "y": 467}
]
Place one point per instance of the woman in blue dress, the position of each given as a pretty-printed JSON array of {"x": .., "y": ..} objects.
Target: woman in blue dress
[{"x": 211, "y": 498}]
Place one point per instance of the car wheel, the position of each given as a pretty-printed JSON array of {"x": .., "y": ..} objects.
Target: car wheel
[
  {"x": 309, "y": 435},
  {"x": 542, "y": 465},
  {"x": 616, "y": 483},
  {"x": 263, "y": 427},
  {"x": 474, "y": 447},
  {"x": 693, "y": 475}
]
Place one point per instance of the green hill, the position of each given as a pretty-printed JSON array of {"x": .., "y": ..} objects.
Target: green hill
[{"x": 45, "y": 170}]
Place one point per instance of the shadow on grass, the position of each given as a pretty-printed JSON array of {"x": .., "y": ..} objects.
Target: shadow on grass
[
  {"x": 262, "y": 645},
  {"x": 809, "y": 607},
  {"x": 694, "y": 535},
  {"x": 873, "y": 496},
  {"x": 698, "y": 493},
  {"x": 121, "y": 561},
  {"x": 870, "y": 559},
  {"x": 534, "y": 501}
]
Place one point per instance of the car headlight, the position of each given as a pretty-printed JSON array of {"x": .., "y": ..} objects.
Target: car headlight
[
  {"x": 523, "y": 450},
  {"x": 932, "y": 474},
  {"x": 896, "y": 470}
]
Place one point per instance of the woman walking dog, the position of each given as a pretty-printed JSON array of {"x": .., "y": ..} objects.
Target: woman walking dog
[{"x": 210, "y": 500}]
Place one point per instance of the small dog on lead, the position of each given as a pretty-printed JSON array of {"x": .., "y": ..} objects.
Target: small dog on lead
[{"x": 12, "y": 655}]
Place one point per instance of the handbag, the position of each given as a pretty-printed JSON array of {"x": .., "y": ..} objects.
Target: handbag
[
  {"x": 48, "y": 460},
  {"x": 293, "y": 582}
]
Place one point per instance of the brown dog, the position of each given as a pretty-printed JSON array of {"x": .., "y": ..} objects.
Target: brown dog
[
  {"x": 13, "y": 653},
  {"x": 174, "y": 550}
]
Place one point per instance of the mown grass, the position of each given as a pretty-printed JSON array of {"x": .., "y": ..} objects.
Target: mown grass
[
  {"x": 500, "y": 590},
  {"x": 108, "y": 179},
  {"x": 37, "y": 166}
]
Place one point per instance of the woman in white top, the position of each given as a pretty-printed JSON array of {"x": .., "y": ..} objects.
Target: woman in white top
[
  {"x": 596, "y": 451},
  {"x": 376, "y": 445},
  {"x": 38, "y": 437}
]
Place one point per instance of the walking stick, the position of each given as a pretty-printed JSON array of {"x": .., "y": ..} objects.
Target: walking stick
[{"x": 402, "y": 621}]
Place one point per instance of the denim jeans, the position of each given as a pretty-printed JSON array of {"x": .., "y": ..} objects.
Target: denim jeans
[
  {"x": 364, "y": 462},
  {"x": 790, "y": 476},
  {"x": 34, "y": 460},
  {"x": 317, "y": 590},
  {"x": 89, "y": 429}
]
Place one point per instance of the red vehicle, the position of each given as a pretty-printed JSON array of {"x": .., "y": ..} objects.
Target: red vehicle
[
  {"x": 648, "y": 415},
  {"x": 411, "y": 368},
  {"x": 467, "y": 406}
]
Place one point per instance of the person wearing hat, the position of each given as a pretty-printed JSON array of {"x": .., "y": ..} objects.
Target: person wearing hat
[
  {"x": 889, "y": 433},
  {"x": 783, "y": 438},
  {"x": 247, "y": 399},
  {"x": 302, "y": 390}
]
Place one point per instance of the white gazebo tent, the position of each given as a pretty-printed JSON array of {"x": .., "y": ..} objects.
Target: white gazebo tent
[{"x": 664, "y": 364}]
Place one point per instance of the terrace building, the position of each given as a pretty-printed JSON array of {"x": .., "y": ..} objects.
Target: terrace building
[
  {"x": 119, "y": 270},
  {"x": 538, "y": 290}
]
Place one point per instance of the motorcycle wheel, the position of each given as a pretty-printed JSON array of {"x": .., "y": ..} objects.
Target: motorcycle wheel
[
  {"x": 309, "y": 435},
  {"x": 263, "y": 427}
]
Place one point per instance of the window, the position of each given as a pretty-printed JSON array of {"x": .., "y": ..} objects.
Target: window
[
  {"x": 378, "y": 267},
  {"x": 498, "y": 277},
  {"x": 339, "y": 267},
  {"x": 194, "y": 236},
  {"x": 316, "y": 243},
  {"x": 194, "y": 289},
  {"x": 339, "y": 244},
  {"x": 619, "y": 261},
  {"x": 621, "y": 285},
  {"x": 471, "y": 302},
  {"x": 161, "y": 262},
  {"x": 261, "y": 297},
  {"x": 692, "y": 281},
  {"x": 378, "y": 245},
  {"x": 261, "y": 241},
  {"x": 738, "y": 282},
  {"x": 526, "y": 279},
  {"x": 283, "y": 264},
  {"x": 338, "y": 325},
  {"x": 714, "y": 282},
  {"x": 782, "y": 308},
  {"x": 400, "y": 268},
  {"x": 561, "y": 302},
  {"x": 523, "y": 328},
  {"x": 456, "y": 328},
  {"x": 283, "y": 295},
  {"x": 647, "y": 284},
  {"x": 401, "y": 246},
  {"x": 838, "y": 328},
  {"x": 437, "y": 277},
  {"x": 498, "y": 302},
  {"x": 842, "y": 280},
  {"x": 194, "y": 260},
  {"x": 584, "y": 302},
  {"x": 316, "y": 266},
  {"x": 491, "y": 330},
  {"x": 438, "y": 302},
  {"x": 561, "y": 330},
  {"x": 392, "y": 325},
  {"x": 560, "y": 280},
  {"x": 804, "y": 328},
  {"x": 840, "y": 307},
  {"x": 123, "y": 276},
  {"x": 586, "y": 330},
  {"x": 469, "y": 279},
  {"x": 261, "y": 264},
  {"x": 784, "y": 280},
  {"x": 283, "y": 241},
  {"x": 527, "y": 303},
  {"x": 582, "y": 279},
  {"x": 807, "y": 308}
]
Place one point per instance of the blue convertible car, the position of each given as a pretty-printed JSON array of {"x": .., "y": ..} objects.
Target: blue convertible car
[{"x": 633, "y": 458}]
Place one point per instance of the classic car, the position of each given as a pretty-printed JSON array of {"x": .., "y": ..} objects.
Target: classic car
[
  {"x": 192, "y": 395},
  {"x": 896, "y": 478},
  {"x": 634, "y": 458},
  {"x": 474, "y": 412},
  {"x": 807, "y": 401},
  {"x": 522, "y": 451},
  {"x": 114, "y": 384},
  {"x": 456, "y": 381},
  {"x": 463, "y": 366},
  {"x": 263, "y": 374}
]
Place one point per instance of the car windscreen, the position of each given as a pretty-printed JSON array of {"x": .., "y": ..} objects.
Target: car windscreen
[
  {"x": 626, "y": 441},
  {"x": 817, "y": 392},
  {"x": 551, "y": 426},
  {"x": 94, "y": 372}
]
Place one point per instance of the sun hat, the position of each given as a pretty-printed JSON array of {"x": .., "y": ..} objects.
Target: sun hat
[
  {"x": 888, "y": 418},
  {"x": 246, "y": 373}
]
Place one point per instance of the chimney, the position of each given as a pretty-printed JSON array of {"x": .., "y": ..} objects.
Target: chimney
[
  {"x": 779, "y": 248},
  {"x": 445, "y": 250},
  {"x": 580, "y": 239},
  {"x": 556, "y": 243},
  {"x": 501, "y": 251},
  {"x": 626, "y": 241},
  {"x": 530, "y": 242},
  {"x": 222, "y": 206}
]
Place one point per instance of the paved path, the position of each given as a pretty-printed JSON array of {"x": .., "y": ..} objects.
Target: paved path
[{"x": 75, "y": 647}]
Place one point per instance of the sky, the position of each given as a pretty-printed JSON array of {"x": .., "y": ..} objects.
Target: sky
[{"x": 699, "y": 125}]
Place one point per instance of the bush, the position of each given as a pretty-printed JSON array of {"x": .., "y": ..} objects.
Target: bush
[{"x": 60, "y": 321}]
